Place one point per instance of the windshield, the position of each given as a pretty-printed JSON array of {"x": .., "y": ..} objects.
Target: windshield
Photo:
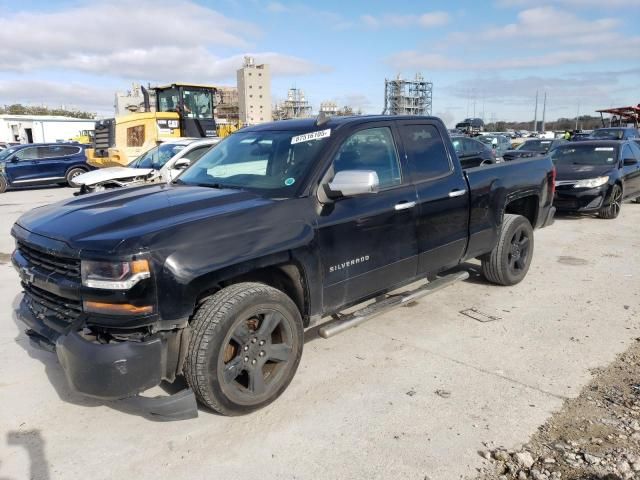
[
  {"x": 274, "y": 163},
  {"x": 584, "y": 155},
  {"x": 535, "y": 146},
  {"x": 157, "y": 157},
  {"x": 189, "y": 101},
  {"x": 608, "y": 134},
  {"x": 198, "y": 103},
  {"x": 7, "y": 152}
]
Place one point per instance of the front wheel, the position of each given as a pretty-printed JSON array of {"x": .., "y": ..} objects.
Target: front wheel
[
  {"x": 612, "y": 210},
  {"x": 245, "y": 348},
  {"x": 509, "y": 261},
  {"x": 71, "y": 174}
]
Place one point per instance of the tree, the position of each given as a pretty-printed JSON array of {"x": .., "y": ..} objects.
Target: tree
[{"x": 19, "y": 109}]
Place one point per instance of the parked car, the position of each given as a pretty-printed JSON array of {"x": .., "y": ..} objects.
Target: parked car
[
  {"x": 279, "y": 227},
  {"x": 42, "y": 164},
  {"x": 501, "y": 144},
  {"x": 615, "y": 133},
  {"x": 596, "y": 176},
  {"x": 531, "y": 148},
  {"x": 162, "y": 163},
  {"x": 580, "y": 136},
  {"x": 472, "y": 152}
]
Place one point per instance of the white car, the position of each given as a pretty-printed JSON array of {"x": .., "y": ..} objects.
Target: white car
[{"x": 162, "y": 163}]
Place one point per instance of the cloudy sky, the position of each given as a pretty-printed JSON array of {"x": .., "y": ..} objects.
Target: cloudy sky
[{"x": 484, "y": 56}]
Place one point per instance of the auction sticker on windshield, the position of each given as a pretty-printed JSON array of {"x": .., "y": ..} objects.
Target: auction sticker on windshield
[
  {"x": 604, "y": 149},
  {"x": 311, "y": 136}
]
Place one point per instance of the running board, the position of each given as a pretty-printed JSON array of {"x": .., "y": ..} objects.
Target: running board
[{"x": 345, "y": 322}]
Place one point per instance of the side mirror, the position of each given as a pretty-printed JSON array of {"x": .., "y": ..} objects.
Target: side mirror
[
  {"x": 182, "y": 163},
  {"x": 629, "y": 161},
  {"x": 349, "y": 183}
]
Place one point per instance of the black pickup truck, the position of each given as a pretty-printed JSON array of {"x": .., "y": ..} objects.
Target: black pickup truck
[{"x": 280, "y": 227}]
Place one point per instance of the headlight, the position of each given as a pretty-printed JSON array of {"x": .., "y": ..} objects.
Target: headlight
[
  {"x": 591, "y": 182},
  {"x": 114, "y": 275}
]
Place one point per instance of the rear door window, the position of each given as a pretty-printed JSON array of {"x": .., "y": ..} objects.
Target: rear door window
[{"x": 424, "y": 147}]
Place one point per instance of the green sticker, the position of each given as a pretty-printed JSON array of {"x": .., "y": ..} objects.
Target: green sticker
[{"x": 289, "y": 181}]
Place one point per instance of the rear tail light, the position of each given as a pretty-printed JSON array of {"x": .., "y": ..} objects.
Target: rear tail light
[{"x": 552, "y": 187}]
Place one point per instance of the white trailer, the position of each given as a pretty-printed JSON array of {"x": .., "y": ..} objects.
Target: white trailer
[{"x": 41, "y": 128}]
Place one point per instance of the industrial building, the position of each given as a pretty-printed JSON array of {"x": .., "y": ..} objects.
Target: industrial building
[
  {"x": 254, "y": 92},
  {"x": 408, "y": 97},
  {"x": 295, "y": 106},
  {"x": 329, "y": 108},
  {"x": 42, "y": 128}
]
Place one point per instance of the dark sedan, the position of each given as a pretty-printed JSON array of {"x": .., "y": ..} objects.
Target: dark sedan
[
  {"x": 596, "y": 176},
  {"x": 615, "y": 133},
  {"x": 531, "y": 148}
]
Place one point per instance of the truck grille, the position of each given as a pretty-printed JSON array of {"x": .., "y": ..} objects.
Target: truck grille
[
  {"x": 69, "y": 267},
  {"x": 103, "y": 137},
  {"x": 59, "y": 311}
]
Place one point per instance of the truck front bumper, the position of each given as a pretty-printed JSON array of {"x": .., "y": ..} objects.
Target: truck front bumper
[{"x": 111, "y": 371}]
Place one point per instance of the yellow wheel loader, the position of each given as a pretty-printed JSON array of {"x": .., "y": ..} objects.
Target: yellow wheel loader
[{"x": 180, "y": 111}]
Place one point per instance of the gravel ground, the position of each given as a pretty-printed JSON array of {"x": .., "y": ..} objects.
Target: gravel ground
[{"x": 594, "y": 436}]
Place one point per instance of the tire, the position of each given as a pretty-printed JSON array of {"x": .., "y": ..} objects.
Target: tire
[
  {"x": 71, "y": 174},
  {"x": 3, "y": 184},
  {"x": 637, "y": 200},
  {"x": 612, "y": 210},
  {"x": 509, "y": 261},
  {"x": 231, "y": 350}
]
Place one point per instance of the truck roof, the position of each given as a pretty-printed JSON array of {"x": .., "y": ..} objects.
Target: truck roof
[{"x": 304, "y": 124}]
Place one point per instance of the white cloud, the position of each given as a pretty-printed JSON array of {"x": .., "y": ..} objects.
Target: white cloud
[
  {"x": 277, "y": 7},
  {"x": 143, "y": 40},
  {"x": 424, "y": 20},
  {"x": 552, "y": 24},
  {"x": 53, "y": 94},
  {"x": 541, "y": 37}
]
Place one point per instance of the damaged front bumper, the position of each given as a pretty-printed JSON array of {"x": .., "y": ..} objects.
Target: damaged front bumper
[{"x": 116, "y": 370}]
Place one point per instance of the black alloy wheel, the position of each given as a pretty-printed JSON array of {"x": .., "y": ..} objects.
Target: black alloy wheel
[
  {"x": 255, "y": 357},
  {"x": 245, "y": 347},
  {"x": 612, "y": 210}
]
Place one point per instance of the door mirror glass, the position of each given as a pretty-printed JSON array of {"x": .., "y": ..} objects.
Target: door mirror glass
[
  {"x": 349, "y": 183},
  {"x": 182, "y": 163}
]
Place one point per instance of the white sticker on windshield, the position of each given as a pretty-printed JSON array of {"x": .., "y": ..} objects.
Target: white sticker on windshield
[
  {"x": 604, "y": 149},
  {"x": 311, "y": 136}
]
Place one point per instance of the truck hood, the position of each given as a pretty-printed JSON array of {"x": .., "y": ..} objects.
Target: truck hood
[
  {"x": 131, "y": 219},
  {"x": 112, "y": 173},
  {"x": 580, "y": 172}
]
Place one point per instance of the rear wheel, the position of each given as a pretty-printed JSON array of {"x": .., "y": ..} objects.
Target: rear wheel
[
  {"x": 71, "y": 174},
  {"x": 612, "y": 210},
  {"x": 509, "y": 261},
  {"x": 3, "y": 184},
  {"x": 245, "y": 348}
]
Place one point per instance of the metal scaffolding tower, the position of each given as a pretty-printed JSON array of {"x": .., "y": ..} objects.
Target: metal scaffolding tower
[
  {"x": 408, "y": 97},
  {"x": 295, "y": 106}
]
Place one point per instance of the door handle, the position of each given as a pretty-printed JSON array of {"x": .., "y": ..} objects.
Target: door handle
[
  {"x": 457, "y": 193},
  {"x": 404, "y": 205}
]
